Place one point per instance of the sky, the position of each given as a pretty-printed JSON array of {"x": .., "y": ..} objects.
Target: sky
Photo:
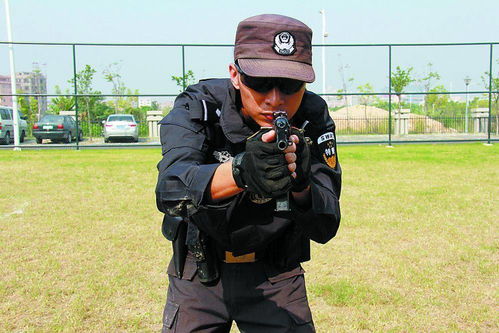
[{"x": 149, "y": 69}]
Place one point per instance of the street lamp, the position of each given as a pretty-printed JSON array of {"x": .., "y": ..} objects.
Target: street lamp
[
  {"x": 467, "y": 81},
  {"x": 15, "y": 114},
  {"x": 324, "y": 35}
]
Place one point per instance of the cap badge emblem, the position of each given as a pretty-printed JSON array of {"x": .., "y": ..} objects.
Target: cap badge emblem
[{"x": 284, "y": 43}]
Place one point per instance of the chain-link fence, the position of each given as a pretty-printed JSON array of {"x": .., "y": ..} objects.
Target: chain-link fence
[
  {"x": 386, "y": 113},
  {"x": 415, "y": 125}
]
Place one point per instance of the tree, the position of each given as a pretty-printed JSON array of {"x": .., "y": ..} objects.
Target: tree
[
  {"x": 345, "y": 85},
  {"x": 437, "y": 102},
  {"x": 495, "y": 95},
  {"x": 35, "y": 76},
  {"x": 183, "y": 81},
  {"x": 84, "y": 80},
  {"x": 61, "y": 103},
  {"x": 130, "y": 104},
  {"x": 34, "y": 108},
  {"x": 121, "y": 103},
  {"x": 427, "y": 83},
  {"x": 111, "y": 74},
  {"x": 365, "y": 99},
  {"x": 400, "y": 80},
  {"x": 27, "y": 106},
  {"x": 127, "y": 103},
  {"x": 345, "y": 90},
  {"x": 101, "y": 111},
  {"x": 344, "y": 97}
]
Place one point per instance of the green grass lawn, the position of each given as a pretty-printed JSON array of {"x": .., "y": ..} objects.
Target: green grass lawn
[{"x": 417, "y": 250}]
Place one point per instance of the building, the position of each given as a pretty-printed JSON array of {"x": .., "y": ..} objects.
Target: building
[
  {"x": 5, "y": 89},
  {"x": 144, "y": 102},
  {"x": 28, "y": 83}
]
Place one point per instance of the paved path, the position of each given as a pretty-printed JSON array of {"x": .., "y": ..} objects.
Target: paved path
[
  {"x": 415, "y": 138},
  {"x": 98, "y": 143}
]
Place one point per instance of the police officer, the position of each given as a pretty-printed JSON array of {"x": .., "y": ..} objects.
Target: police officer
[{"x": 222, "y": 179}]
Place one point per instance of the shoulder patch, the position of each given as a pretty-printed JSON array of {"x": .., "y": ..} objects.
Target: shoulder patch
[{"x": 327, "y": 147}]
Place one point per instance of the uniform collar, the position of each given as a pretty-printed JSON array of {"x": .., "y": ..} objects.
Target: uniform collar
[{"x": 231, "y": 119}]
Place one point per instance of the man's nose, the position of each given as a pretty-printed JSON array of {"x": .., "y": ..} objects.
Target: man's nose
[{"x": 274, "y": 98}]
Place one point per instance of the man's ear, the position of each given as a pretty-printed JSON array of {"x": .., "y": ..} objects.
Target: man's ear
[{"x": 234, "y": 76}]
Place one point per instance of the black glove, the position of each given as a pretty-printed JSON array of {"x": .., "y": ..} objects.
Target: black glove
[
  {"x": 303, "y": 162},
  {"x": 262, "y": 168}
]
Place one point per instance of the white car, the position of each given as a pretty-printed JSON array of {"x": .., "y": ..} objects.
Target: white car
[
  {"x": 121, "y": 126},
  {"x": 7, "y": 126}
]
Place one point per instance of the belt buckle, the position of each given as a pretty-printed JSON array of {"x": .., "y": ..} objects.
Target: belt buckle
[{"x": 230, "y": 258}]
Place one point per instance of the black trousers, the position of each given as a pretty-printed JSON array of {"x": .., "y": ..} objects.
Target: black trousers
[{"x": 243, "y": 294}]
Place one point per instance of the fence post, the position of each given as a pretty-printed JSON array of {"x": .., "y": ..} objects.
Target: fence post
[
  {"x": 76, "y": 99},
  {"x": 183, "y": 67},
  {"x": 389, "y": 95},
  {"x": 490, "y": 94}
]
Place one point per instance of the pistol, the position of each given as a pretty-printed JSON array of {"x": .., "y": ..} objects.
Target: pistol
[{"x": 282, "y": 129}]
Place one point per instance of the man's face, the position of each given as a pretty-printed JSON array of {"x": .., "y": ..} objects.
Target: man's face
[{"x": 260, "y": 106}]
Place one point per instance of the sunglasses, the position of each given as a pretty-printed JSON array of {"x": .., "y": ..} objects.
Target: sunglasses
[{"x": 266, "y": 84}]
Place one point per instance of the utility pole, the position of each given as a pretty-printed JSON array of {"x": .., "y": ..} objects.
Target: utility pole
[
  {"x": 15, "y": 113},
  {"x": 324, "y": 35},
  {"x": 467, "y": 81}
]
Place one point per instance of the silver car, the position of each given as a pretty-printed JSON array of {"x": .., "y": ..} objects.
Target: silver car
[
  {"x": 121, "y": 126},
  {"x": 7, "y": 126}
]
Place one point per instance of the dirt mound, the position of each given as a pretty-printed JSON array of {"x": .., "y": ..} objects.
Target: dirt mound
[
  {"x": 359, "y": 117},
  {"x": 359, "y": 112}
]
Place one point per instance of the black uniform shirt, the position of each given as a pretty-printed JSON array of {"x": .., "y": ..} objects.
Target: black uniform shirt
[{"x": 204, "y": 129}]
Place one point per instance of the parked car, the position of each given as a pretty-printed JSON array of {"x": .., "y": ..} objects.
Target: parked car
[
  {"x": 7, "y": 126},
  {"x": 121, "y": 126},
  {"x": 57, "y": 128}
]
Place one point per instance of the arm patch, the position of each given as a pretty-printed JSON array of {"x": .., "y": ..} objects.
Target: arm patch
[{"x": 327, "y": 148}]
